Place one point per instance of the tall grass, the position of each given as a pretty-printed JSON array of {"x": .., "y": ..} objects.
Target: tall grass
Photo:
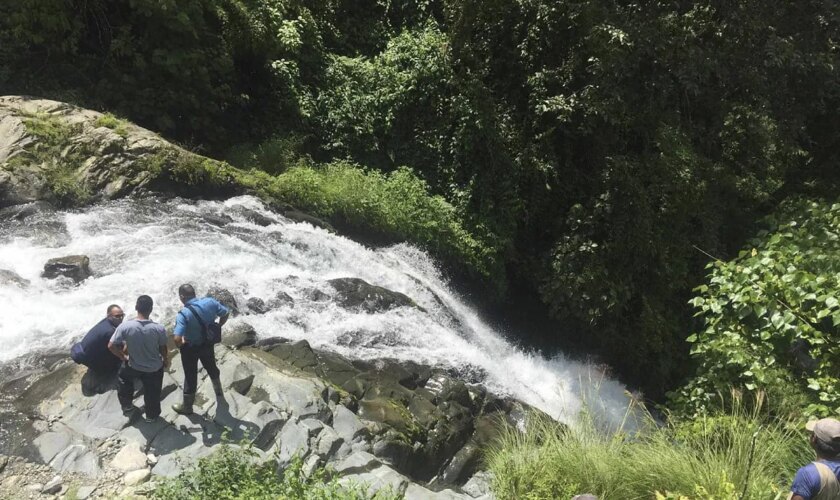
[{"x": 741, "y": 454}]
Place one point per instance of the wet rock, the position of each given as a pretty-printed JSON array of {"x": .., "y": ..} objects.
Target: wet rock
[
  {"x": 255, "y": 217},
  {"x": 225, "y": 298},
  {"x": 299, "y": 216},
  {"x": 393, "y": 449},
  {"x": 26, "y": 210},
  {"x": 282, "y": 299},
  {"x": 239, "y": 334},
  {"x": 75, "y": 267},
  {"x": 298, "y": 354},
  {"x": 355, "y": 293},
  {"x": 217, "y": 220},
  {"x": 12, "y": 278},
  {"x": 257, "y": 305},
  {"x": 316, "y": 295},
  {"x": 4, "y": 460},
  {"x": 266, "y": 344}
]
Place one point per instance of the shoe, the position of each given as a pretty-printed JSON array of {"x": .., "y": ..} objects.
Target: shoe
[
  {"x": 217, "y": 386},
  {"x": 186, "y": 407},
  {"x": 150, "y": 420},
  {"x": 129, "y": 411}
]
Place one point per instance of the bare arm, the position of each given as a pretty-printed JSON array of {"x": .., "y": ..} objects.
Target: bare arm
[
  {"x": 164, "y": 354},
  {"x": 118, "y": 350},
  {"x": 179, "y": 340},
  {"x": 796, "y": 497}
]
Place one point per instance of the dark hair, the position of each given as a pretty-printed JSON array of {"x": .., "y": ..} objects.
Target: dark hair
[
  {"x": 144, "y": 305},
  {"x": 187, "y": 291},
  {"x": 828, "y": 451},
  {"x": 111, "y": 308}
]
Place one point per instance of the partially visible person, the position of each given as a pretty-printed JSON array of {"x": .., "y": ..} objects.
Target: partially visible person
[
  {"x": 141, "y": 345},
  {"x": 820, "y": 480},
  {"x": 92, "y": 351},
  {"x": 191, "y": 338}
]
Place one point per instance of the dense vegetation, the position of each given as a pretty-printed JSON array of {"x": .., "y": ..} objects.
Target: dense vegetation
[
  {"x": 737, "y": 454},
  {"x": 584, "y": 149},
  {"x": 771, "y": 316}
]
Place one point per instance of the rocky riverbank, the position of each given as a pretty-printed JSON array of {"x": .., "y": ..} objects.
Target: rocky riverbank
[{"x": 413, "y": 428}]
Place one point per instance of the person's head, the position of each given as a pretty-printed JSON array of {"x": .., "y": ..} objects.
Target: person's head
[
  {"x": 144, "y": 306},
  {"x": 825, "y": 437},
  {"x": 186, "y": 293},
  {"x": 115, "y": 314}
]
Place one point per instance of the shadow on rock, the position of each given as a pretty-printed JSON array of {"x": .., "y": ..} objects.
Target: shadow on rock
[{"x": 94, "y": 383}]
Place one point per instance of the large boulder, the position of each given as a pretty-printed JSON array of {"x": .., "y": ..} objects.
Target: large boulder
[
  {"x": 75, "y": 267},
  {"x": 356, "y": 293}
]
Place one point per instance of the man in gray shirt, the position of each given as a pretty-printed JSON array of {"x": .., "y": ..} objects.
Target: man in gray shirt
[{"x": 141, "y": 345}]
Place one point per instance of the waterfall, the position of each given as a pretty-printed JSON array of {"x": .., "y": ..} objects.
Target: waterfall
[{"x": 151, "y": 246}]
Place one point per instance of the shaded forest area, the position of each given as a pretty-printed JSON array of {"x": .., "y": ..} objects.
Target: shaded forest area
[{"x": 596, "y": 152}]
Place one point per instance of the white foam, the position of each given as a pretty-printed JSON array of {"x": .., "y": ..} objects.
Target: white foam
[{"x": 151, "y": 247}]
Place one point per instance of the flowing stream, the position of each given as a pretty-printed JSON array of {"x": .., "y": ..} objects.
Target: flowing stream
[{"x": 151, "y": 246}]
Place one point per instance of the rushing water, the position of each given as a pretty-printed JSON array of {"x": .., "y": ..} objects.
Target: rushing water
[{"x": 151, "y": 246}]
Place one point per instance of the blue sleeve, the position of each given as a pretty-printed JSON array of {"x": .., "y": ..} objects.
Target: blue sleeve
[
  {"x": 180, "y": 324},
  {"x": 117, "y": 338},
  {"x": 806, "y": 483},
  {"x": 221, "y": 310}
]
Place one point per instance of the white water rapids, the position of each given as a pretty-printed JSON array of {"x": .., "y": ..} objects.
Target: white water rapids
[{"x": 152, "y": 246}]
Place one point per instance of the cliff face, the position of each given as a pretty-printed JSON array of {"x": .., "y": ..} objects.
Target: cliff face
[
  {"x": 410, "y": 427},
  {"x": 65, "y": 155}
]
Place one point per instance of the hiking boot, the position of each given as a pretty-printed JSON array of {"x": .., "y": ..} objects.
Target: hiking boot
[
  {"x": 186, "y": 407},
  {"x": 217, "y": 386}
]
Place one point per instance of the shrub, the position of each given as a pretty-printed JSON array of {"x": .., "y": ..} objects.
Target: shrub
[
  {"x": 705, "y": 458},
  {"x": 235, "y": 473},
  {"x": 395, "y": 206},
  {"x": 770, "y": 316}
]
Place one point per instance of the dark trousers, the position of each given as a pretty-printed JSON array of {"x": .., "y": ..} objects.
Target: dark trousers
[
  {"x": 152, "y": 383},
  {"x": 190, "y": 355}
]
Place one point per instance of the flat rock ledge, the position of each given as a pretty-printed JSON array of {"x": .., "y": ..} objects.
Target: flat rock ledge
[{"x": 415, "y": 429}]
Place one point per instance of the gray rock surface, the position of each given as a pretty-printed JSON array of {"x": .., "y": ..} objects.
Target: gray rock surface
[{"x": 285, "y": 400}]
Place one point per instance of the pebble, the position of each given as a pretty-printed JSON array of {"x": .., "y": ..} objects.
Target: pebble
[
  {"x": 153, "y": 460},
  {"x": 34, "y": 487}
]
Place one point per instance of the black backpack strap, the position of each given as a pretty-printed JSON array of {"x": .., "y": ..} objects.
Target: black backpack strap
[{"x": 200, "y": 321}]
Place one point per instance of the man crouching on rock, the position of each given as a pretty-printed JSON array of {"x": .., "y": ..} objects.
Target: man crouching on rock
[
  {"x": 191, "y": 337},
  {"x": 141, "y": 344}
]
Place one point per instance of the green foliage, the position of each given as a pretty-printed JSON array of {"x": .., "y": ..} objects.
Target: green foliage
[
  {"x": 120, "y": 127},
  {"x": 770, "y": 316},
  {"x": 234, "y": 473},
  {"x": 395, "y": 206},
  {"x": 712, "y": 457},
  {"x": 273, "y": 155}
]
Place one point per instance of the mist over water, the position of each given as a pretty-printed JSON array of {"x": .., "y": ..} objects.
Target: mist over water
[{"x": 152, "y": 246}]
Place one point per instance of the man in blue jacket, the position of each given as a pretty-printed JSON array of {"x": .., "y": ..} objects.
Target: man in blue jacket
[
  {"x": 191, "y": 338},
  {"x": 92, "y": 351}
]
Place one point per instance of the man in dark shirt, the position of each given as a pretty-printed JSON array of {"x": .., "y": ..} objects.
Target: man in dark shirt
[{"x": 93, "y": 351}]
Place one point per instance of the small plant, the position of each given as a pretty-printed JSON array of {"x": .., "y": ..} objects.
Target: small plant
[{"x": 120, "y": 127}]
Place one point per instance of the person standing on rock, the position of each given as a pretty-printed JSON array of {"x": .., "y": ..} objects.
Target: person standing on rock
[
  {"x": 92, "y": 351},
  {"x": 191, "y": 338},
  {"x": 141, "y": 345}
]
